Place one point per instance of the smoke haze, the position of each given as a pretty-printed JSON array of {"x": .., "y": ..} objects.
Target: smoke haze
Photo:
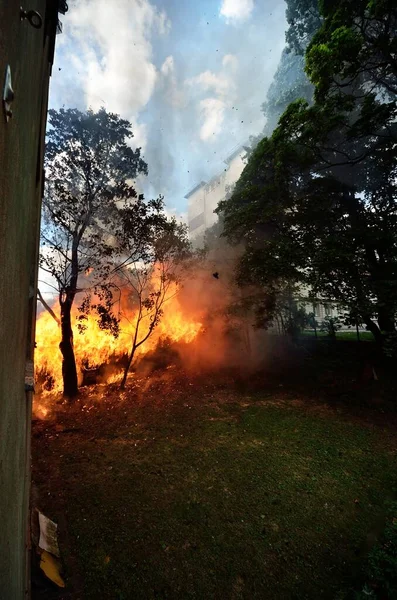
[{"x": 190, "y": 76}]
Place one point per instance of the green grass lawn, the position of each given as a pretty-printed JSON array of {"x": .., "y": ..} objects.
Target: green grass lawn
[
  {"x": 365, "y": 336},
  {"x": 211, "y": 494}
]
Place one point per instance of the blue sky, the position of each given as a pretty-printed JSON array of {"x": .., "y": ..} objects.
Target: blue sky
[{"x": 189, "y": 75}]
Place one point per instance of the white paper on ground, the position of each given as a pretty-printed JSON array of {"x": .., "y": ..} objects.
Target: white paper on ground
[{"x": 48, "y": 535}]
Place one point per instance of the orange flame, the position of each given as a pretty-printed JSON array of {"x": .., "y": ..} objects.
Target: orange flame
[{"x": 95, "y": 347}]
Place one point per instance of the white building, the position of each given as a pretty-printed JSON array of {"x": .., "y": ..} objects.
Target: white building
[{"x": 205, "y": 197}]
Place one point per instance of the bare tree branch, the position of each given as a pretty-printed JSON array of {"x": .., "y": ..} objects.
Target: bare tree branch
[{"x": 48, "y": 307}]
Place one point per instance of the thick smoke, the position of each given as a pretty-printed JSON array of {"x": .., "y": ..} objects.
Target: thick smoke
[{"x": 190, "y": 76}]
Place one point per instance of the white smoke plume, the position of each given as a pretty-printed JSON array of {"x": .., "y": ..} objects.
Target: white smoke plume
[
  {"x": 190, "y": 76},
  {"x": 237, "y": 10}
]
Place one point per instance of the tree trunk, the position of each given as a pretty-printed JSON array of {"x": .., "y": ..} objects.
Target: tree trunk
[
  {"x": 135, "y": 345},
  {"x": 374, "y": 329},
  {"x": 386, "y": 323},
  {"x": 69, "y": 371},
  {"x": 127, "y": 368},
  {"x": 247, "y": 341}
]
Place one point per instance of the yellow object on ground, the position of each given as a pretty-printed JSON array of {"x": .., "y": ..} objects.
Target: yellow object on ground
[{"x": 51, "y": 567}]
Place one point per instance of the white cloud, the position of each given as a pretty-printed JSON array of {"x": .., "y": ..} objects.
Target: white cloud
[
  {"x": 230, "y": 61},
  {"x": 173, "y": 92},
  {"x": 168, "y": 66},
  {"x": 110, "y": 42},
  {"x": 236, "y": 11},
  {"x": 213, "y": 113},
  {"x": 209, "y": 81},
  {"x": 222, "y": 90}
]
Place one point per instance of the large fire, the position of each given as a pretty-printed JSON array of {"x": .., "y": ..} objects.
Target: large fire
[{"x": 95, "y": 347}]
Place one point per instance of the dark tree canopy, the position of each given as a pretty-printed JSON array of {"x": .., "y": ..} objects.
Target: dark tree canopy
[
  {"x": 316, "y": 205},
  {"x": 356, "y": 47},
  {"x": 290, "y": 82},
  {"x": 89, "y": 169},
  {"x": 304, "y": 19}
]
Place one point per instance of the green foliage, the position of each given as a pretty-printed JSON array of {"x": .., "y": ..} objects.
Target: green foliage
[
  {"x": 296, "y": 321},
  {"x": 150, "y": 279},
  {"x": 390, "y": 345},
  {"x": 98, "y": 233},
  {"x": 331, "y": 325},
  {"x": 355, "y": 45},
  {"x": 381, "y": 571},
  {"x": 88, "y": 162},
  {"x": 290, "y": 82},
  {"x": 93, "y": 218},
  {"x": 316, "y": 204},
  {"x": 311, "y": 320},
  {"x": 324, "y": 59},
  {"x": 304, "y": 20}
]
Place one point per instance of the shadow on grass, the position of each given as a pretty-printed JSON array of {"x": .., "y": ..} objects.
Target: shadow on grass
[{"x": 212, "y": 493}]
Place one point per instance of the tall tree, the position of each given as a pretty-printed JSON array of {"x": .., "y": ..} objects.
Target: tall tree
[
  {"x": 304, "y": 19},
  {"x": 290, "y": 82},
  {"x": 355, "y": 48},
  {"x": 317, "y": 205},
  {"x": 90, "y": 168}
]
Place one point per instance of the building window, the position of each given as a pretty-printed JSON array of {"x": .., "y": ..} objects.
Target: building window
[
  {"x": 318, "y": 310},
  {"x": 197, "y": 221}
]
